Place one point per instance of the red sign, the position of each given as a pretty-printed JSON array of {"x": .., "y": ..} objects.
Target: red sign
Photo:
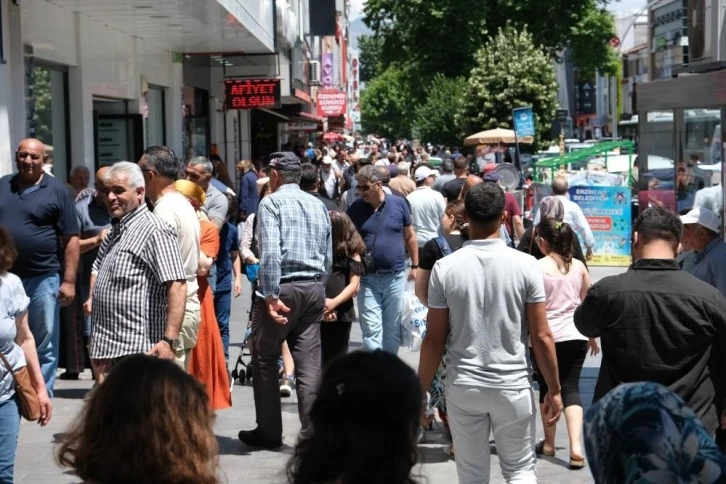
[
  {"x": 615, "y": 42},
  {"x": 331, "y": 102},
  {"x": 600, "y": 224},
  {"x": 252, "y": 93}
]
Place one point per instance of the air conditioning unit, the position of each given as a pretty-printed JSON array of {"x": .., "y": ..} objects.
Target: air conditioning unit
[{"x": 314, "y": 73}]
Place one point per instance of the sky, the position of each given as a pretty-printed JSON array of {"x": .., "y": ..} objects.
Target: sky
[{"x": 357, "y": 6}]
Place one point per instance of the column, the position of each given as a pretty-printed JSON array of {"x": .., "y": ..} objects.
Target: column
[
  {"x": 174, "y": 109},
  {"x": 6, "y": 96},
  {"x": 83, "y": 143}
]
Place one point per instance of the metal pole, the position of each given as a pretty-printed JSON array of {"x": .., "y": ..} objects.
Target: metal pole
[
  {"x": 614, "y": 104},
  {"x": 2, "y": 51}
]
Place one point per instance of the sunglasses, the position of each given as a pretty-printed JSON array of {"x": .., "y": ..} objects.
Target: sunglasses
[{"x": 364, "y": 188}]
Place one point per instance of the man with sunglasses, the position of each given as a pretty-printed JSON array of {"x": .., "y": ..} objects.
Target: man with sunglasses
[{"x": 39, "y": 214}]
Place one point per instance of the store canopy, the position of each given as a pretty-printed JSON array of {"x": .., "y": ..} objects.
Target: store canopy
[
  {"x": 499, "y": 136},
  {"x": 625, "y": 147}
]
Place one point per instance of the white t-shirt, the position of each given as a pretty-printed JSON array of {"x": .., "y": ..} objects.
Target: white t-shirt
[
  {"x": 486, "y": 286},
  {"x": 330, "y": 178},
  {"x": 175, "y": 210},
  {"x": 427, "y": 208}
]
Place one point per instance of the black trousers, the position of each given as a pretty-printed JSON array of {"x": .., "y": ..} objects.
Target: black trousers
[
  {"x": 334, "y": 339},
  {"x": 73, "y": 354},
  {"x": 570, "y": 358},
  {"x": 306, "y": 301}
]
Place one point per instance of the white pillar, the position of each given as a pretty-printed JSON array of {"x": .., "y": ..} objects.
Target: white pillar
[
  {"x": 174, "y": 108},
  {"x": 83, "y": 144},
  {"x": 6, "y": 95}
]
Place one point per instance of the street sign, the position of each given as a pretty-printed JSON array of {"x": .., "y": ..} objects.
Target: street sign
[
  {"x": 562, "y": 115},
  {"x": 615, "y": 42},
  {"x": 523, "y": 122}
]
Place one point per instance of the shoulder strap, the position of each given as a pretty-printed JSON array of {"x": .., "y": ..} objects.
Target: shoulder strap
[
  {"x": 6, "y": 364},
  {"x": 443, "y": 246},
  {"x": 378, "y": 224},
  {"x": 531, "y": 240}
]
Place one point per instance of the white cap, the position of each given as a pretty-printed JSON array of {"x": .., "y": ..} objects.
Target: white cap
[
  {"x": 327, "y": 160},
  {"x": 703, "y": 217},
  {"x": 423, "y": 172}
]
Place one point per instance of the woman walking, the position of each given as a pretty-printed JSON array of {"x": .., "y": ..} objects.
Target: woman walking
[{"x": 566, "y": 283}]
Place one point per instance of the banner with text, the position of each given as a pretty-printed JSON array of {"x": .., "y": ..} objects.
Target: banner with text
[
  {"x": 328, "y": 72},
  {"x": 331, "y": 102},
  {"x": 608, "y": 211}
]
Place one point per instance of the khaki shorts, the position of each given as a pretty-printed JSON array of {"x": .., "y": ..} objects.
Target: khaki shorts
[{"x": 188, "y": 337}]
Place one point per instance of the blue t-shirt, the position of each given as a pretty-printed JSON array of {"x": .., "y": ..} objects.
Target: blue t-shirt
[
  {"x": 389, "y": 252},
  {"x": 37, "y": 219},
  {"x": 92, "y": 219},
  {"x": 227, "y": 243}
]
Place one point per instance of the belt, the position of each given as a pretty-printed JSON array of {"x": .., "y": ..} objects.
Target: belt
[{"x": 299, "y": 280}]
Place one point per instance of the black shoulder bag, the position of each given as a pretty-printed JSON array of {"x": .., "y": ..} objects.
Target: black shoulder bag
[{"x": 369, "y": 265}]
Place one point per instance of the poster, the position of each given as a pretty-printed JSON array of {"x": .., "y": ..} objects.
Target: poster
[
  {"x": 523, "y": 122},
  {"x": 607, "y": 210}
]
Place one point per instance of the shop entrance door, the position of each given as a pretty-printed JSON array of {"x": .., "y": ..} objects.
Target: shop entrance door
[{"x": 118, "y": 137}]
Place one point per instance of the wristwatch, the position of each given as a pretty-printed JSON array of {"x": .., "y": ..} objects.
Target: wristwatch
[
  {"x": 414, "y": 266},
  {"x": 175, "y": 344}
]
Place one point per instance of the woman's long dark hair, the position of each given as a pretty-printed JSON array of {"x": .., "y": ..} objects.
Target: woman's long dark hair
[
  {"x": 349, "y": 444},
  {"x": 560, "y": 238},
  {"x": 346, "y": 240},
  {"x": 456, "y": 209}
]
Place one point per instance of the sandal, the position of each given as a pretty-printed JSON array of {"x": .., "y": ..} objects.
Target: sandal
[
  {"x": 577, "y": 463},
  {"x": 539, "y": 449}
]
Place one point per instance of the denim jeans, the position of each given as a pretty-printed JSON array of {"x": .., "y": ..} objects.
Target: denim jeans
[
  {"x": 84, "y": 291},
  {"x": 44, "y": 321},
  {"x": 380, "y": 303},
  {"x": 9, "y": 429},
  {"x": 222, "y": 306},
  {"x": 510, "y": 415}
]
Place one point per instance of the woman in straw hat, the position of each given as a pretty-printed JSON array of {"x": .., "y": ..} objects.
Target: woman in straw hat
[{"x": 206, "y": 361}]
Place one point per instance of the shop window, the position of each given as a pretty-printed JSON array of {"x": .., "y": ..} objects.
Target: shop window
[
  {"x": 699, "y": 160},
  {"x": 49, "y": 116},
  {"x": 154, "y": 127},
  {"x": 654, "y": 165},
  {"x": 196, "y": 122}
]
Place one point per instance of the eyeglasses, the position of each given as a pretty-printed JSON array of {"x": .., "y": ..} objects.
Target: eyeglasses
[{"x": 364, "y": 188}]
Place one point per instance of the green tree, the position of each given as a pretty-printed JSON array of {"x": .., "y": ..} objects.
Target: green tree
[
  {"x": 385, "y": 105},
  {"x": 511, "y": 72},
  {"x": 371, "y": 51},
  {"x": 435, "y": 120},
  {"x": 42, "y": 102}
]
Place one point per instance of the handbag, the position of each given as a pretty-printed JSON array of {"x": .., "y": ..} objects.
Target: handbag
[
  {"x": 27, "y": 397},
  {"x": 369, "y": 264},
  {"x": 252, "y": 270}
]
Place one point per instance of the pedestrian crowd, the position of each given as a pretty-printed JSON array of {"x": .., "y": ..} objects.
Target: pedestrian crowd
[{"x": 135, "y": 277}]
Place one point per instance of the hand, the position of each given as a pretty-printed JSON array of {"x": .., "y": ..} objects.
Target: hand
[
  {"x": 588, "y": 254},
  {"x": 46, "y": 408},
  {"x": 67, "y": 293},
  {"x": 552, "y": 408},
  {"x": 274, "y": 308},
  {"x": 329, "y": 306},
  {"x": 163, "y": 350},
  {"x": 330, "y": 317},
  {"x": 237, "y": 287},
  {"x": 412, "y": 275},
  {"x": 100, "y": 237},
  {"x": 88, "y": 307},
  {"x": 594, "y": 348}
]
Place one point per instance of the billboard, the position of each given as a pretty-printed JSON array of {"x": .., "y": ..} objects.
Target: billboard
[
  {"x": 331, "y": 102},
  {"x": 328, "y": 74},
  {"x": 252, "y": 94}
]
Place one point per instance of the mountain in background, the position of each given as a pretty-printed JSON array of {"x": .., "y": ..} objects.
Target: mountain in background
[{"x": 357, "y": 27}]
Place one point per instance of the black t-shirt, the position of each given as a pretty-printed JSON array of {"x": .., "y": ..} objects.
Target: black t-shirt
[
  {"x": 431, "y": 253},
  {"x": 452, "y": 189}
]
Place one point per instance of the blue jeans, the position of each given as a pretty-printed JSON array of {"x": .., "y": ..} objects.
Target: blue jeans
[
  {"x": 380, "y": 303},
  {"x": 9, "y": 429},
  {"x": 85, "y": 291},
  {"x": 44, "y": 320},
  {"x": 222, "y": 306}
]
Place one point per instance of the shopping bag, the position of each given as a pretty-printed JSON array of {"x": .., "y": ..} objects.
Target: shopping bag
[{"x": 413, "y": 322}]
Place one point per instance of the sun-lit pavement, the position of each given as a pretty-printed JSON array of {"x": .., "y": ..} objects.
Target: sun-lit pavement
[{"x": 36, "y": 463}]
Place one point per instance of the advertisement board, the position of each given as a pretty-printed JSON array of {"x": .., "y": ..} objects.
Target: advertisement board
[
  {"x": 252, "y": 94},
  {"x": 328, "y": 72},
  {"x": 523, "y": 122},
  {"x": 331, "y": 102},
  {"x": 607, "y": 210}
]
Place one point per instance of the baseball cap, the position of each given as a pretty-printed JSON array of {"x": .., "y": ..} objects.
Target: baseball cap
[
  {"x": 327, "y": 160},
  {"x": 492, "y": 176},
  {"x": 284, "y": 161},
  {"x": 703, "y": 217},
  {"x": 423, "y": 172}
]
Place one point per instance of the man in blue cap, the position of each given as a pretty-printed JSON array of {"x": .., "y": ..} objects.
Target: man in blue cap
[{"x": 294, "y": 236}]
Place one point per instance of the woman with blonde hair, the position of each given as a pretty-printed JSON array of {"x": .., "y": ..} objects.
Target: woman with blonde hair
[
  {"x": 249, "y": 197},
  {"x": 206, "y": 360},
  {"x": 148, "y": 422}
]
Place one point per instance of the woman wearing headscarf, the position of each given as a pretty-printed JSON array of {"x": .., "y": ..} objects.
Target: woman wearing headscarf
[
  {"x": 550, "y": 207},
  {"x": 644, "y": 433},
  {"x": 207, "y": 361}
]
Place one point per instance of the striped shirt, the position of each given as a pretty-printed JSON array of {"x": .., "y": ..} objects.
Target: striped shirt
[
  {"x": 294, "y": 235},
  {"x": 136, "y": 259}
]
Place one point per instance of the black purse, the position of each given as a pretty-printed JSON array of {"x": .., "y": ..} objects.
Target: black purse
[{"x": 369, "y": 265}]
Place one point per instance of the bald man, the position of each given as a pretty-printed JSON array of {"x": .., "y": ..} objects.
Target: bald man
[
  {"x": 470, "y": 181},
  {"x": 38, "y": 213}
]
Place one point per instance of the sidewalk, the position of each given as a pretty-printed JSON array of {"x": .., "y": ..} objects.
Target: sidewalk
[{"x": 36, "y": 461}]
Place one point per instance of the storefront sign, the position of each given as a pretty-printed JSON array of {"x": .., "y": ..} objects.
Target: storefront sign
[
  {"x": 331, "y": 102},
  {"x": 327, "y": 65},
  {"x": 302, "y": 127},
  {"x": 252, "y": 93},
  {"x": 607, "y": 210},
  {"x": 523, "y": 122}
]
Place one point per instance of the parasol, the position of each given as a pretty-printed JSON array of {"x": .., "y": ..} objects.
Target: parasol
[{"x": 496, "y": 137}]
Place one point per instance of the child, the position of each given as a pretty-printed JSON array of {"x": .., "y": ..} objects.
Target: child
[{"x": 342, "y": 285}]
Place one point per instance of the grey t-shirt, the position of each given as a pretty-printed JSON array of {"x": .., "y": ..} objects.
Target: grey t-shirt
[
  {"x": 215, "y": 206},
  {"x": 13, "y": 303},
  {"x": 486, "y": 285}
]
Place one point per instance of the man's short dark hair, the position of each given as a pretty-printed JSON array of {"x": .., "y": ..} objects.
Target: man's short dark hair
[
  {"x": 309, "y": 177},
  {"x": 658, "y": 223},
  {"x": 461, "y": 163},
  {"x": 385, "y": 174},
  {"x": 447, "y": 166},
  {"x": 484, "y": 203},
  {"x": 163, "y": 160}
]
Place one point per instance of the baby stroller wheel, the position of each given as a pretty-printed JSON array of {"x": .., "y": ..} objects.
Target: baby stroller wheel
[{"x": 248, "y": 374}]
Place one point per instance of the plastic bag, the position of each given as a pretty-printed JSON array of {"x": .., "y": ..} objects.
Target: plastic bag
[{"x": 413, "y": 321}]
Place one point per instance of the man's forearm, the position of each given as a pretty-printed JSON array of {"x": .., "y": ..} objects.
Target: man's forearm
[
  {"x": 544, "y": 352},
  {"x": 412, "y": 250},
  {"x": 176, "y": 300},
  {"x": 70, "y": 259},
  {"x": 91, "y": 285},
  {"x": 87, "y": 245},
  {"x": 432, "y": 351}
]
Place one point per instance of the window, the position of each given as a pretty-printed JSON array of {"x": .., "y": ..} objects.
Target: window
[{"x": 49, "y": 123}]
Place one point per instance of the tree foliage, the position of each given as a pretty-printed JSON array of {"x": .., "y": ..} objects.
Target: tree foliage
[
  {"x": 511, "y": 72},
  {"x": 436, "y": 119},
  {"x": 385, "y": 105},
  {"x": 42, "y": 99},
  {"x": 371, "y": 52}
]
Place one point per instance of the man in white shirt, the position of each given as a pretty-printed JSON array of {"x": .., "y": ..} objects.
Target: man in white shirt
[
  {"x": 488, "y": 370},
  {"x": 331, "y": 179},
  {"x": 427, "y": 206},
  {"x": 573, "y": 214},
  {"x": 161, "y": 168}
]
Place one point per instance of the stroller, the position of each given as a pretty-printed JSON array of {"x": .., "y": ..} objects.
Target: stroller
[{"x": 243, "y": 371}]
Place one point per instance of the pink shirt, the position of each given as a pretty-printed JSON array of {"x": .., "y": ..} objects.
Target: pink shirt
[{"x": 563, "y": 297}]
